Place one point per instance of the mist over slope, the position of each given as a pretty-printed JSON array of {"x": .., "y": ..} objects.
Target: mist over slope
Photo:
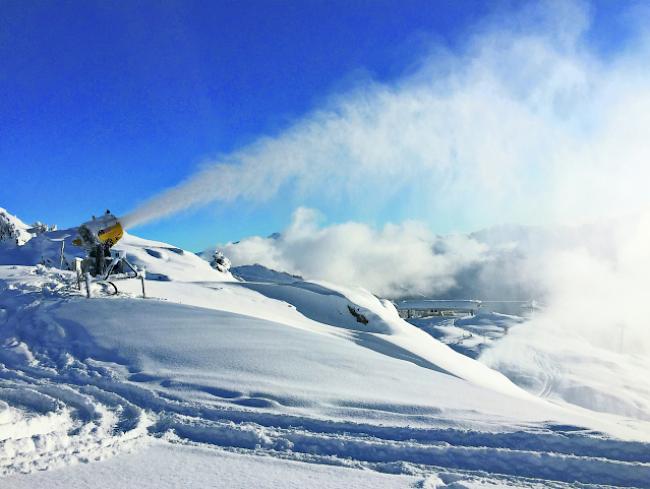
[
  {"x": 407, "y": 260},
  {"x": 589, "y": 344}
]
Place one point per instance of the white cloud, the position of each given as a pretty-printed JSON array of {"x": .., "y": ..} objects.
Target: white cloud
[{"x": 396, "y": 260}]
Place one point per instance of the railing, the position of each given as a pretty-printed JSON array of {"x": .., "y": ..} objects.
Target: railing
[{"x": 408, "y": 308}]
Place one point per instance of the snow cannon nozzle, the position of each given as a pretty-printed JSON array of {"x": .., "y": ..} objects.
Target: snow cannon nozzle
[{"x": 105, "y": 230}]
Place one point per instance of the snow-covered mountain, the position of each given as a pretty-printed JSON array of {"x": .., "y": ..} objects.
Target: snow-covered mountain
[{"x": 217, "y": 382}]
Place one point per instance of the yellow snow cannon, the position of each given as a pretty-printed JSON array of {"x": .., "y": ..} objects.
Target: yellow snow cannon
[
  {"x": 105, "y": 231},
  {"x": 97, "y": 237}
]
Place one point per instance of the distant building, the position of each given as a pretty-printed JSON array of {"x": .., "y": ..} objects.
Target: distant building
[{"x": 419, "y": 308}]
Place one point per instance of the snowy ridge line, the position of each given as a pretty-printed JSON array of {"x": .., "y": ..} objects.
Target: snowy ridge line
[{"x": 519, "y": 463}]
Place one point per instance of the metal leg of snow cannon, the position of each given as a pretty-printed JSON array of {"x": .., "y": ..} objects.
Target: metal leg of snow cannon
[
  {"x": 88, "y": 285},
  {"x": 133, "y": 269},
  {"x": 112, "y": 266},
  {"x": 117, "y": 260},
  {"x": 61, "y": 250}
]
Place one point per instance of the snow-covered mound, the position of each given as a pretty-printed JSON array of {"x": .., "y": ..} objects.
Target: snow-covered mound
[
  {"x": 301, "y": 371},
  {"x": 12, "y": 230},
  {"x": 259, "y": 273},
  {"x": 165, "y": 262},
  {"x": 219, "y": 364}
]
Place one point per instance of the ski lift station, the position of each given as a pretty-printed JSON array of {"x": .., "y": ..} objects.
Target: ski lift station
[{"x": 418, "y": 308}]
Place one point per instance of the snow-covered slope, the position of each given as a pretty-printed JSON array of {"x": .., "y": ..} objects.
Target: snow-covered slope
[
  {"x": 274, "y": 374},
  {"x": 562, "y": 365},
  {"x": 259, "y": 273},
  {"x": 12, "y": 230},
  {"x": 471, "y": 334}
]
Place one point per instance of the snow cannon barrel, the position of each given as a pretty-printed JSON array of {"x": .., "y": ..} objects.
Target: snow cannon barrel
[
  {"x": 111, "y": 235},
  {"x": 105, "y": 230}
]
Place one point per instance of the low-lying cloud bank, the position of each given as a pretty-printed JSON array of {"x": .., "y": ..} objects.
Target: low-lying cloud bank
[
  {"x": 571, "y": 267},
  {"x": 397, "y": 260}
]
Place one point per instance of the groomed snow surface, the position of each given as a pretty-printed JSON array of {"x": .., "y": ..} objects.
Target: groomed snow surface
[{"x": 213, "y": 382}]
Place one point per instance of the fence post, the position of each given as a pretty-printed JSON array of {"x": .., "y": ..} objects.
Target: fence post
[
  {"x": 62, "y": 257},
  {"x": 77, "y": 269},
  {"x": 88, "y": 285},
  {"x": 141, "y": 274}
]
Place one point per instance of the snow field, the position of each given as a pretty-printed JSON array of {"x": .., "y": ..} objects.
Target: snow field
[{"x": 274, "y": 376}]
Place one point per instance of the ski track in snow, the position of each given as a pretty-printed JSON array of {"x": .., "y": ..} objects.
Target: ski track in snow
[
  {"x": 51, "y": 413},
  {"x": 57, "y": 408}
]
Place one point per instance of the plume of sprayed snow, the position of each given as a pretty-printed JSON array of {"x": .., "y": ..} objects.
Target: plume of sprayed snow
[
  {"x": 524, "y": 120},
  {"x": 396, "y": 260}
]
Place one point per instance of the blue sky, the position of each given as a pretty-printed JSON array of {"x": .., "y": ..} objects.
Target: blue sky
[{"x": 104, "y": 104}]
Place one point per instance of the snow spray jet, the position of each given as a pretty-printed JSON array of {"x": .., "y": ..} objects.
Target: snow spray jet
[{"x": 522, "y": 121}]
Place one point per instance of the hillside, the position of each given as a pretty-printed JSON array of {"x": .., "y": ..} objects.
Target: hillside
[{"x": 217, "y": 382}]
